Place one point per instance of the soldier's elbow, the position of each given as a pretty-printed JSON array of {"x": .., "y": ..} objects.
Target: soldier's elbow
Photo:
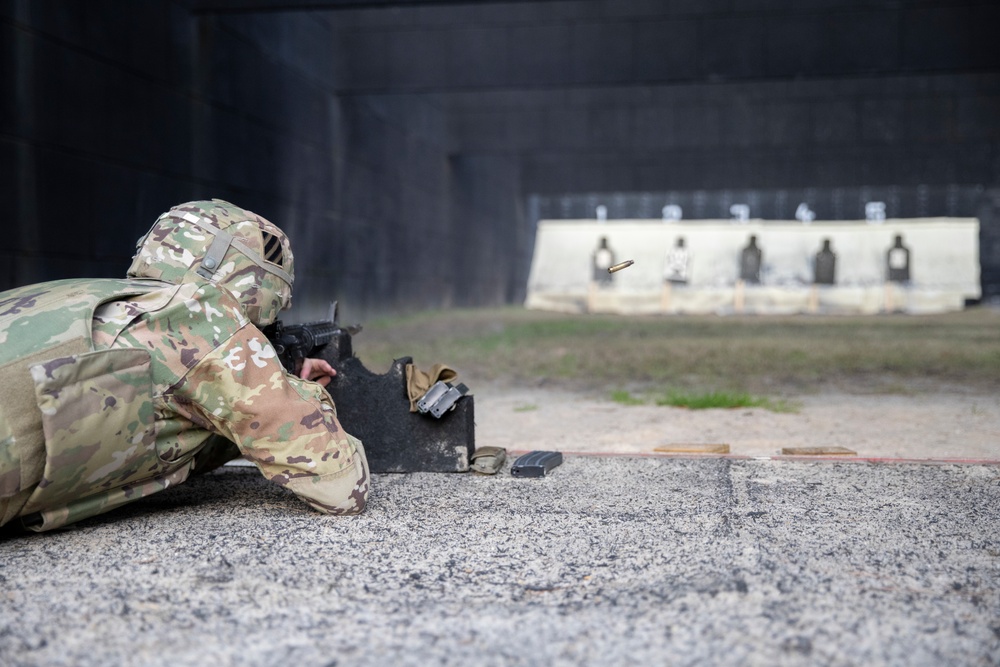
[{"x": 341, "y": 493}]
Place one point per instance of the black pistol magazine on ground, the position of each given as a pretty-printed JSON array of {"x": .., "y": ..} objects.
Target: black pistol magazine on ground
[{"x": 535, "y": 464}]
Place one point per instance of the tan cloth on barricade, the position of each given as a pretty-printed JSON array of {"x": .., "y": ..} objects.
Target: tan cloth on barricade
[{"x": 418, "y": 381}]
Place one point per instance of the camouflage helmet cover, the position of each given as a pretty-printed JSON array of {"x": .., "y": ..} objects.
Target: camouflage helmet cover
[{"x": 226, "y": 245}]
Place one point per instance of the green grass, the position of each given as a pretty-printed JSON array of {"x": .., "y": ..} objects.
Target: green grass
[
  {"x": 723, "y": 399},
  {"x": 761, "y": 355},
  {"x": 706, "y": 400},
  {"x": 626, "y": 398}
]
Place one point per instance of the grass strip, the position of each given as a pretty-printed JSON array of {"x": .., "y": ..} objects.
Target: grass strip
[
  {"x": 723, "y": 399},
  {"x": 756, "y": 354},
  {"x": 623, "y": 397}
]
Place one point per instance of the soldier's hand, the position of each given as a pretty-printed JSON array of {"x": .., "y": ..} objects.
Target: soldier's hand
[{"x": 317, "y": 370}]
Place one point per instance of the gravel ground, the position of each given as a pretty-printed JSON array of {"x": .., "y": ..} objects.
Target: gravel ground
[
  {"x": 617, "y": 559},
  {"x": 606, "y": 561}
]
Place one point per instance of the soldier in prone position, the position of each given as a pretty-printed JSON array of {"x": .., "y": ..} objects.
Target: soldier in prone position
[{"x": 111, "y": 390}]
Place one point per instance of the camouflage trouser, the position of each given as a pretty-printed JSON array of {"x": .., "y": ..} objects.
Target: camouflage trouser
[
  {"x": 20, "y": 472},
  {"x": 22, "y": 443}
]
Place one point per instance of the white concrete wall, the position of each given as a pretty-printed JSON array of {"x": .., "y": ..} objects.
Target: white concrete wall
[{"x": 944, "y": 261}]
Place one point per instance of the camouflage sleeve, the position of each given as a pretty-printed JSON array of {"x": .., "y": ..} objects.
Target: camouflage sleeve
[{"x": 286, "y": 426}]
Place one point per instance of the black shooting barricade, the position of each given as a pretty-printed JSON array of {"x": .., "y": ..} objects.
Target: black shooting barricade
[{"x": 375, "y": 408}]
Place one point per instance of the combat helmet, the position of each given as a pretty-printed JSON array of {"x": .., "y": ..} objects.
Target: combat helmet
[{"x": 226, "y": 245}]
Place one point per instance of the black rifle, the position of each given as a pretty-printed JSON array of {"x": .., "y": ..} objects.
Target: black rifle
[{"x": 297, "y": 342}]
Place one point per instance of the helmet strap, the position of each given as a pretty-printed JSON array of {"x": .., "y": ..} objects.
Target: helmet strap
[{"x": 215, "y": 254}]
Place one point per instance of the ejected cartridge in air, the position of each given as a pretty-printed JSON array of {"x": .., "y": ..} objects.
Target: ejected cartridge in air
[{"x": 618, "y": 267}]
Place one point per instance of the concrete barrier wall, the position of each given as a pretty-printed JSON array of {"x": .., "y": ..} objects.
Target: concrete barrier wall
[{"x": 944, "y": 266}]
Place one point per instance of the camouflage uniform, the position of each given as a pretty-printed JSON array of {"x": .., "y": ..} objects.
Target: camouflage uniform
[{"x": 111, "y": 390}]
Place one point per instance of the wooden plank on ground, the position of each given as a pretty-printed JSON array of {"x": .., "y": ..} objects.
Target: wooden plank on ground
[
  {"x": 818, "y": 451},
  {"x": 692, "y": 448}
]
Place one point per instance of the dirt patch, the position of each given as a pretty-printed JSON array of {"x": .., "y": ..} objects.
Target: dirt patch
[{"x": 922, "y": 426}]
